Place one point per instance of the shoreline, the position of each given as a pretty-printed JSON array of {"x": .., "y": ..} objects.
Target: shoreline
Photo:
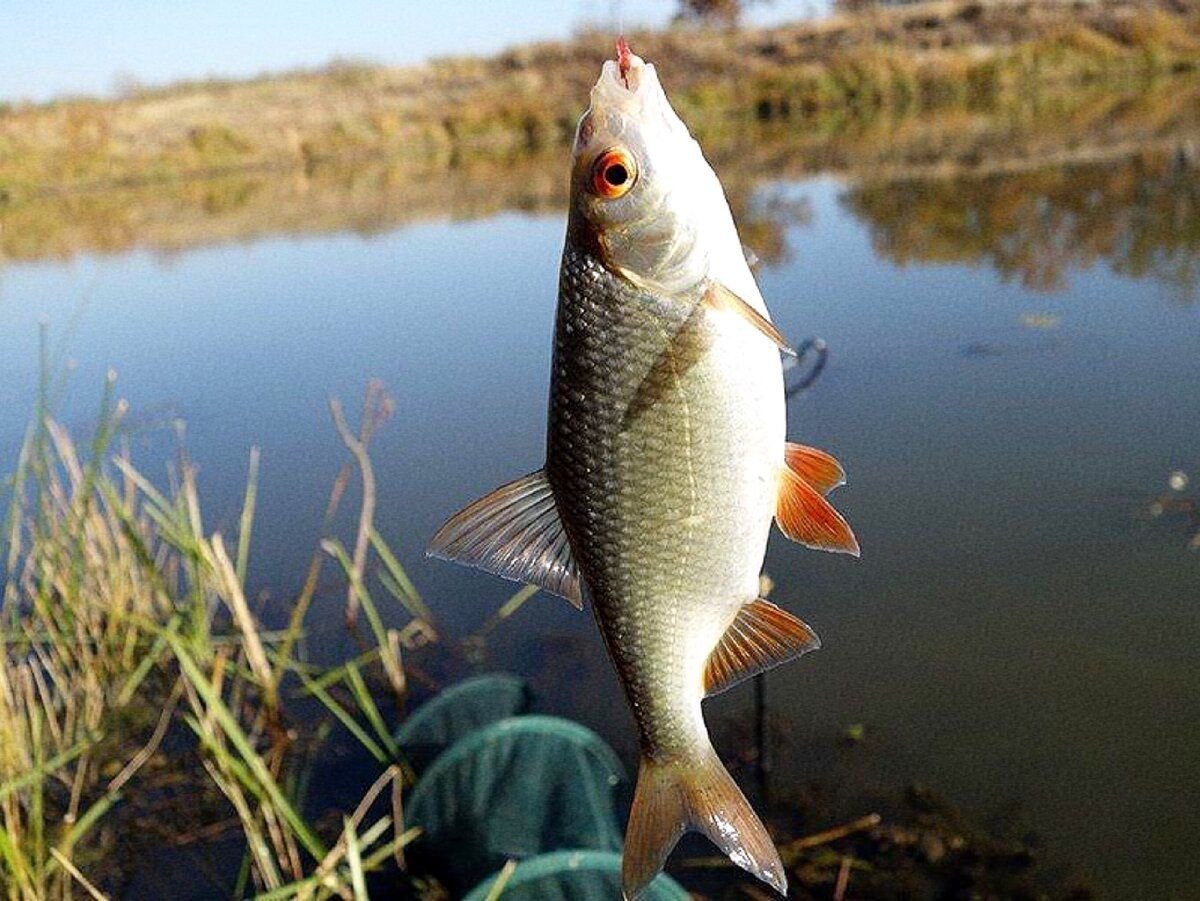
[
  {"x": 376, "y": 195},
  {"x": 950, "y": 54}
]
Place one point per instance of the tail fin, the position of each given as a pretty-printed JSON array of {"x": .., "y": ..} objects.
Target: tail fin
[{"x": 673, "y": 798}]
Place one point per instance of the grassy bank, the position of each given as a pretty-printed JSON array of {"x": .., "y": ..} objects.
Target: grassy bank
[
  {"x": 145, "y": 710},
  {"x": 974, "y": 55},
  {"x": 1075, "y": 126}
]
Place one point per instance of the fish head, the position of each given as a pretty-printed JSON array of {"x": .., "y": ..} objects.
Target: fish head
[{"x": 642, "y": 193}]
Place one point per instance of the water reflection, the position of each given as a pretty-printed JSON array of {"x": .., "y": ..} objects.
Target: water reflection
[
  {"x": 1175, "y": 505},
  {"x": 1034, "y": 192},
  {"x": 1140, "y": 216}
]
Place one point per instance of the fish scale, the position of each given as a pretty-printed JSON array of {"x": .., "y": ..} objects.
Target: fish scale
[{"x": 638, "y": 498}]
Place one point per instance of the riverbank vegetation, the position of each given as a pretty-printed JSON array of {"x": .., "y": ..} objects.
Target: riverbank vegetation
[
  {"x": 965, "y": 54},
  {"x": 156, "y": 737},
  {"x": 145, "y": 710},
  {"x": 1101, "y": 176}
]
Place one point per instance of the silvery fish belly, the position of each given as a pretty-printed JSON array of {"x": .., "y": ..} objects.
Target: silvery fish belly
[{"x": 666, "y": 461}]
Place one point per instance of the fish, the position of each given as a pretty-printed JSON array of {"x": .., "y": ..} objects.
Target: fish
[{"x": 666, "y": 463}]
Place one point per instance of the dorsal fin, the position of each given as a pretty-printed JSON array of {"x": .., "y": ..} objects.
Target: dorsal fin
[
  {"x": 806, "y": 517},
  {"x": 514, "y": 532},
  {"x": 761, "y": 636},
  {"x": 816, "y": 467}
]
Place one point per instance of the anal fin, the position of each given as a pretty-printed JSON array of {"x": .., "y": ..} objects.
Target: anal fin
[
  {"x": 760, "y": 637},
  {"x": 514, "y": 532}
]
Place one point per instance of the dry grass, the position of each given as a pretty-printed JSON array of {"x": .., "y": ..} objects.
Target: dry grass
[{"x": 123, "y": 622}]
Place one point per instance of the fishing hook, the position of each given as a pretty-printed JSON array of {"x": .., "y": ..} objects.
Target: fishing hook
[{"x": 809, "y": 347}]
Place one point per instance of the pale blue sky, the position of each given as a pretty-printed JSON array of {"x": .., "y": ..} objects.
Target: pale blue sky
[{"x": 55, "y": 47}]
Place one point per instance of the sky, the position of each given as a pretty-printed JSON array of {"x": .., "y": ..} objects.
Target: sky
[{"x": 61, "y": 47}]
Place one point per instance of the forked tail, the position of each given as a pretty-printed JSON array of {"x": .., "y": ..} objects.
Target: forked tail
[{"x": 673, "y": 798}]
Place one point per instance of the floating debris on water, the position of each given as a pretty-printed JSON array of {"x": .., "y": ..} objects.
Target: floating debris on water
[
  {"x": 854, "y": 733},
  {"x": 1171, "y": 502},
  {"x": 1040, "y": 320}
]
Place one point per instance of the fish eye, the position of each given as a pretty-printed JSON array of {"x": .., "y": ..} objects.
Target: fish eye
[{"x": 613, "y": 173}]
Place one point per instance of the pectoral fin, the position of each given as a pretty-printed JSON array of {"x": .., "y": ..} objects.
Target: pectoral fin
[
  {"x": 514, "y": 532},
  {"x": 721, "y": 298},
  {"x": 681, "y": 353},
  {"x": 760, "y": 637},
  {"x": 806, "y": 517}
]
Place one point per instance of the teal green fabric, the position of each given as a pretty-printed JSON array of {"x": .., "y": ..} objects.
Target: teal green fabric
[
  {"x": 456, "y": 712},
  {"x": 515, "y": 789},
  {"x": 573, "y": 876}
]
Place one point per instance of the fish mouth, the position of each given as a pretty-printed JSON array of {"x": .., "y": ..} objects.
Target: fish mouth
[
  {"x": 628, "y": 109},
  {"x": 625, "y": 60},
  {"x": 621, "y": 79}
]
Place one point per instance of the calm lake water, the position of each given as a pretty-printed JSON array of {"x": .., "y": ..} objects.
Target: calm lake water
[{"x": 1013, "y": 376}]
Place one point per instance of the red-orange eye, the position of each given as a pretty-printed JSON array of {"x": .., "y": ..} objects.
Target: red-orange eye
[{"x": 613, "y": 173}]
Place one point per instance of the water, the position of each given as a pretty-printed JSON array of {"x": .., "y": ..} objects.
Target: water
[{"x": 1012, "y": 378}]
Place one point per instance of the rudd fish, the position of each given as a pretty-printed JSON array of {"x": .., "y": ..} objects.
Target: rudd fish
[{"x": 665, "y": 463}]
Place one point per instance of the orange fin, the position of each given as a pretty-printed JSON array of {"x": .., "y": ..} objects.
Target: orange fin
[
  {"x": 515, "y": 533},
  {"x": 721, "y": 298},
  {"x": 760, "y": 637},
  {"x": 673, "y": 797},
  {"x": 816, "y": 467},
  {"x": 806, "y": 517}
]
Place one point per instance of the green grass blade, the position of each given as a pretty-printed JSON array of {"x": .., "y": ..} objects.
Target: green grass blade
[
  {"x": 47, "y": 767},
  {"x": 241, "y": 742},
  {"x": 247, "y": 521},
  {"x": 409, "y": 596},
  {"x": 366, "y": 704},
  {"x": 354, "y": 859},
  {"x": 344, "y": 717}
]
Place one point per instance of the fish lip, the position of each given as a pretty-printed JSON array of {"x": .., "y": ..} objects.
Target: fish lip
[
  {"x": 621, "y": 79},
  {"x": 629, "y": 66},
  {"x": 618, "y": 86},
  {"x": 624, "y": 59}
]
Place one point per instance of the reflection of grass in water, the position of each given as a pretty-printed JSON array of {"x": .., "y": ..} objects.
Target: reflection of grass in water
[
  {"x": 925, "y": 56},
  {"x": 376, "y": 195},
  {"x": 1141, "y": 215},
  {"x": 367, "y": 198}
]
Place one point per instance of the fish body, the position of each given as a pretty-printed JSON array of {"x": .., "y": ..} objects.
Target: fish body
[
  {"x": 666, "y": 460},
  {"x": 665, "y": 438}
]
